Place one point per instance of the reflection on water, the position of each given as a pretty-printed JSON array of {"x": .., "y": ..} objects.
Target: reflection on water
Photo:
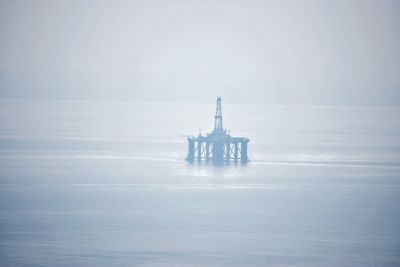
[{"x": 100, "y": 184}]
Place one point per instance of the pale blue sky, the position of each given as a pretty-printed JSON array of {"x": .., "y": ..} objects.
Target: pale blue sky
[{"x": 264, "y": 52}]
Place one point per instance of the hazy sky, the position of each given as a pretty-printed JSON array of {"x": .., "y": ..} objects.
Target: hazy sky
[{"x": 265, "y": 52}]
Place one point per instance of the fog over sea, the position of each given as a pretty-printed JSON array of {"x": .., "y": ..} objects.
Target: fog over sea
[{"x": 106, "y": 184}]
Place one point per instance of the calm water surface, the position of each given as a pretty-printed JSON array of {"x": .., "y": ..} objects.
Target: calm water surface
[{"x": 106, "y": 184}]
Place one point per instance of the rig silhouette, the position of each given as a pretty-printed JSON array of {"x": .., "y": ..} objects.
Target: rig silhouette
[{"x": 217, "y": 146}]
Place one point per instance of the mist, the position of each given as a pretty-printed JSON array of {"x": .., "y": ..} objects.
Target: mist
[
  {"x": 200, "y": 133},
  {"x": 257, "y": 52}
]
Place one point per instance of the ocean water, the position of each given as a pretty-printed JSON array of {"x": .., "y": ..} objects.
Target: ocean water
[{"x": 106, "y": 184}]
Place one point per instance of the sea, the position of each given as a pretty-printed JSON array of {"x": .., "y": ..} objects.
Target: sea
[{"x": 97, "y": 183}]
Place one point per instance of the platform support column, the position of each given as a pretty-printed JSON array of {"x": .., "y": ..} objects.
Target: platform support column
[
  {"x": 199, "y": 146},
  {"x": 228, "y": 151},
  {"x": 236, "y": 152},
  {"x": 207, "y": 151},
  {"x": 243, "y": 150},
  {"x": 218, "y": 152},
  {"x": 190, "y": 157}
]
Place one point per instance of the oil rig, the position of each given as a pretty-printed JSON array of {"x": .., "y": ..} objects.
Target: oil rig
[{"x": 217, "y": 146}]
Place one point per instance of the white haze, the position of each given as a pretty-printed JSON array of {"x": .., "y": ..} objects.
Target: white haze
[
  {"x": 261, "y": 52},
  {"x": 97, "y": 99}
]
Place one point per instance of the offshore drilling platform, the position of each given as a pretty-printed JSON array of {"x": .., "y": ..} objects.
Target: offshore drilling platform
[{"x": 217, "y": 146}]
